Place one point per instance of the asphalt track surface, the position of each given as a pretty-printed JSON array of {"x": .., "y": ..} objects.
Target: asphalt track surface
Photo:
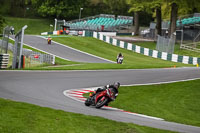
[
  {"x": 45, "y": 88},
  {"x": 61, "y": 50}
]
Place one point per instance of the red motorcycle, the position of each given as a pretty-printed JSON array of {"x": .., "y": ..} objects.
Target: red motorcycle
[{"x": 99, "y": 99}]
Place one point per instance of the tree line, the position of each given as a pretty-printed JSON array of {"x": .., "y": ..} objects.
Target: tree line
[
  {"x": 163, "y": 9},
  {"x": 143, "y": 11}
]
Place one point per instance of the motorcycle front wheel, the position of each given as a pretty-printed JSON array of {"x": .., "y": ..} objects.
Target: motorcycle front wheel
[{"x": 101, "y": 102}]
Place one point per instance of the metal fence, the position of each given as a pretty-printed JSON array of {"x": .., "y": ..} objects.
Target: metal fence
[
  {"x": 18, "y": 47},
  {"x": 166, "y": 44},
  {"x": 188, "y": 34},
  {"x": 34, "y": 58},
  {"x": 189, "y": 38},
  {"x": 39, "y": 58},
  {"x": 18, "y": 50},
  {"x": 5, "y": 39}
]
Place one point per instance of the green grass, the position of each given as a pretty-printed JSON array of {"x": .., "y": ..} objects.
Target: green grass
[
  {"x": 35, "y": 26},
  {"x": 150, "y": 45},
  {"x": 178, "y": 102},
  {"x": 102, "y": 49},
  {"x": 17, "y": 117},
  {"x": 177, "y": 50},
  {"x": 101, "y": 66}
]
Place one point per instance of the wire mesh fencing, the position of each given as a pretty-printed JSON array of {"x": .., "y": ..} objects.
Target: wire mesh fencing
[
  {"x": 189, "y": 39},
  {"x": 37, "y": 58},
  {"x": 165, "y": 44},
  {"x": 5, "y": 39}
]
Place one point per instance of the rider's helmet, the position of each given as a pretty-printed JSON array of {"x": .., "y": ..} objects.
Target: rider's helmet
[{"x": 116, "y": 85}]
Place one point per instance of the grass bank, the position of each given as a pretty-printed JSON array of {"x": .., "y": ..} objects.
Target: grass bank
[
  {"x": 35, "y": 26},
  {"x": 17, "y": 117},
  {"x": 102, "y": 49}
]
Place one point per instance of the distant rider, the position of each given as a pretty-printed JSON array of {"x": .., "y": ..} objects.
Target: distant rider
[
  {"x": 49, "y": 40},
  {"x": 120, "y": 57}
]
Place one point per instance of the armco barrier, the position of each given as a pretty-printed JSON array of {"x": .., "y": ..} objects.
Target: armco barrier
[
  {"x": 145, "y": 51},
  {"x": 4, "y": 59}
]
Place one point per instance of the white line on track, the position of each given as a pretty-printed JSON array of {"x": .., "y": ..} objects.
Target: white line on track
[
  {"x": 107, "y": 70},
  {"x": 79, "y": 51},
  {"x": 43, "y": 51},
  {"x": 167, "y": 82},
  {"x": 63, "y": 65}
]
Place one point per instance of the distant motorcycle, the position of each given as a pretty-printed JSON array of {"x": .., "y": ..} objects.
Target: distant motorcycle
[
  {"x": 49, "y": 40},
  {"x": 101, "y": 98},
  {"x": 120, "y": 60}
]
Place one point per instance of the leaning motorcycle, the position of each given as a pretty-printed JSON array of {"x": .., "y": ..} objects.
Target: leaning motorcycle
[{"x": 101, "y": 98}]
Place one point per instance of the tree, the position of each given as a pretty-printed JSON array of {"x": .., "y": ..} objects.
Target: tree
[
  {"x": 185, "y": 6},
  {"x": 68, "y": 9},
  {"x": 173, "y": 19},
  {"x": 136, "y": 6},
  {"x": 173, "y": 15},
  {"x": 117, "y": 7},
  {"x": 156, "y": 4},
  {"x": 18, "y": 7}
]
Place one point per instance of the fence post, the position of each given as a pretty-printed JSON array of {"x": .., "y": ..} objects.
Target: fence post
[
  {"x": 53, "y": 62},
  {"x": 55, "y": 24},
  {"x": 23, "y": 61},
  {"x": 18, "y": 47}
]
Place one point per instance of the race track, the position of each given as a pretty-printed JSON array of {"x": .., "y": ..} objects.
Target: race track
[
  {"x": 45, "y": 88},
  {"x": 62, "y": 50}
]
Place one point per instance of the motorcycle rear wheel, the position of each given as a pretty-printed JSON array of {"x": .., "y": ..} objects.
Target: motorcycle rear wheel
[{"x": 88, "y": 102}]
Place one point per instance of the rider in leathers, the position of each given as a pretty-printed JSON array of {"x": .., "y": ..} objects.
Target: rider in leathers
[
  {"x": 119, "y": 56},
  {"x": 114, "y": 88}
]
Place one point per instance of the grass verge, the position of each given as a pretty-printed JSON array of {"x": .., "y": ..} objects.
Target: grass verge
[
  {"x": 17, "y": 117},
  {"x": 102, "y": 49},
  {"x": 177, "y": 102}
]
